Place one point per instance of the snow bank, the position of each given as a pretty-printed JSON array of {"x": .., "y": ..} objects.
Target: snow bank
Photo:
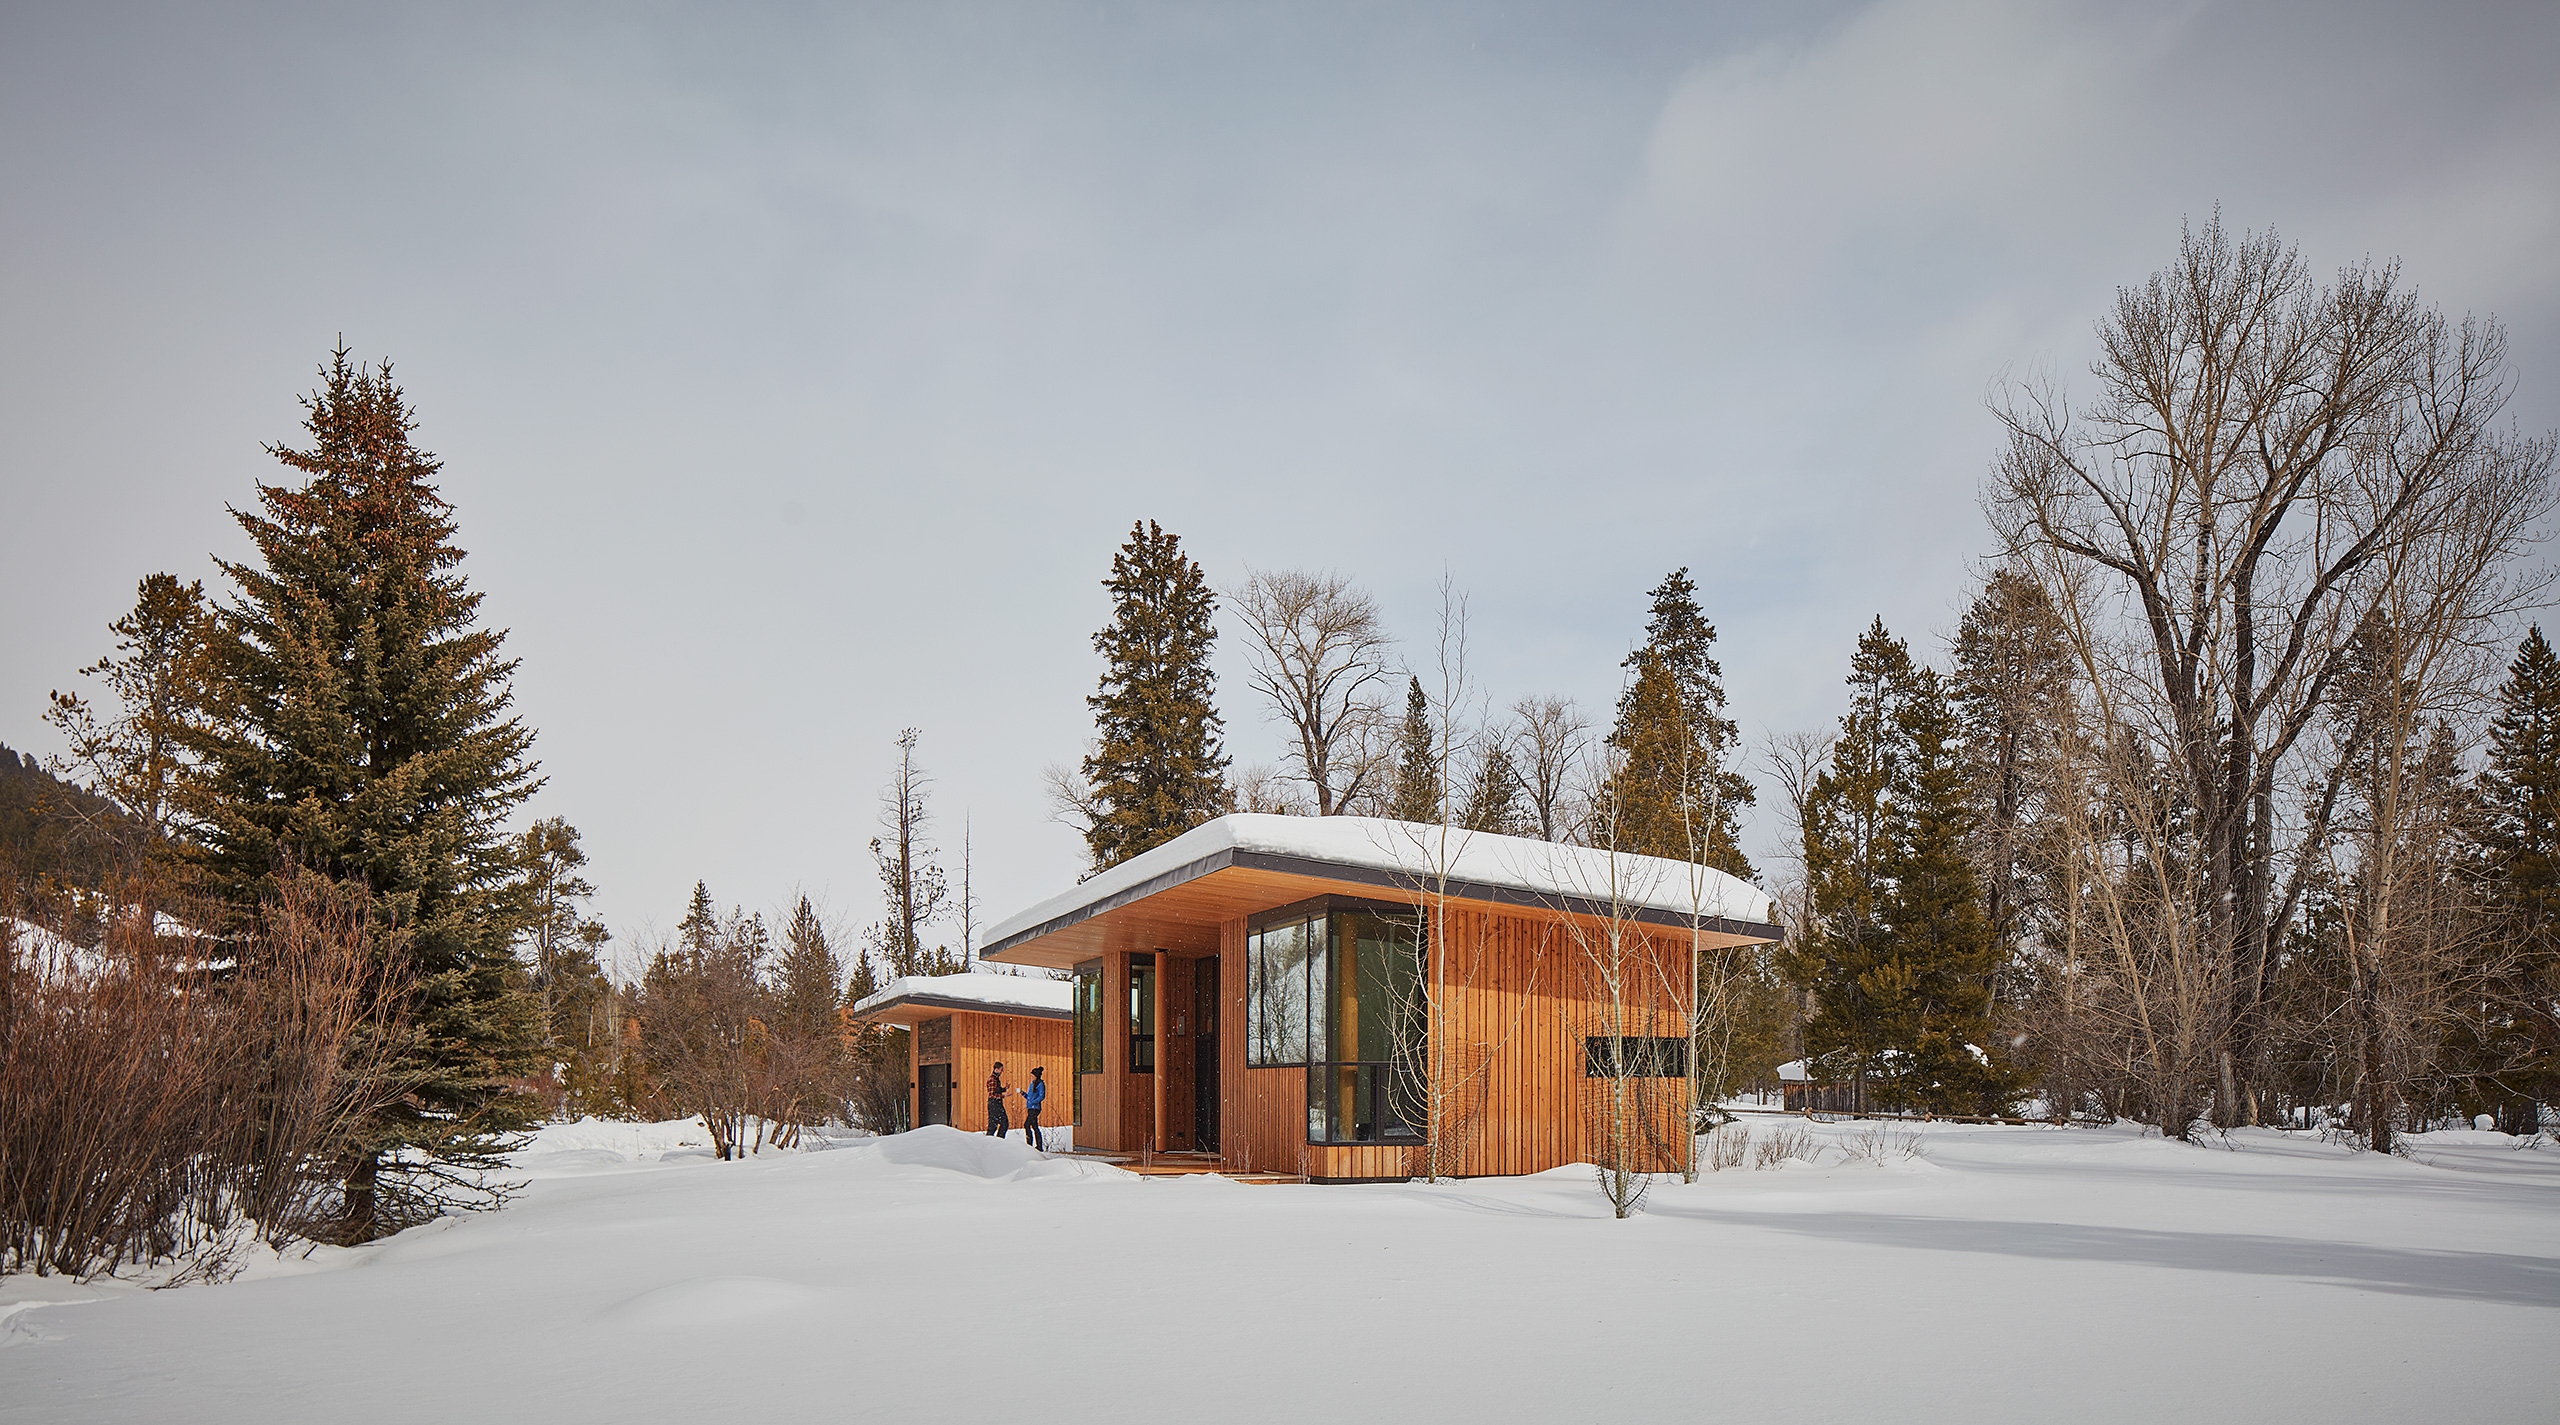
[
  {"x": 1407, "y": 850},
  {"x": 2002, "y": 1273}
]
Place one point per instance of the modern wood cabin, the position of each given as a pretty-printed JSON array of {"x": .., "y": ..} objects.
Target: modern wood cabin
[
  {"x": 1258, "y": 990},
  {"x": 961, "y": 1026}
]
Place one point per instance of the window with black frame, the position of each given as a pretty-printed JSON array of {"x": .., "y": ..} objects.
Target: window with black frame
[
  {"x": 1631, "y": 1056},
  {"x": 1338, "y": 992},
  {"x": 1142, "y": 1014},
  {"x": 1088, "y": 1029},
  {"x": 1277, "y": 958},
  {"x": 1372, "y": 1022}
]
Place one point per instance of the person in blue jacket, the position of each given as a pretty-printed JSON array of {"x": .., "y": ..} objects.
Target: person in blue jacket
[{"x": 1034, "y": 1094}]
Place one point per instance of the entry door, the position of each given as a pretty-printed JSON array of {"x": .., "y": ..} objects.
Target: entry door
[
  {"x": 1204, "y": 1074},
  {"x": 933, "y": 1087}
]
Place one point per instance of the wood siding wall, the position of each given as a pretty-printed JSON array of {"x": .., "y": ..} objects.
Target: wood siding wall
[
  {"x": 978, "y": 1042},
  {"x": 1519, "y": 994}
]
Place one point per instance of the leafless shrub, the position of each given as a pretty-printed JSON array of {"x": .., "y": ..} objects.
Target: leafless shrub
[
  {"x": 1783, "y": 1144},
  {"x": 1880, "y": 1144},
  {"x": 165, "y": 1097},
  {"x": 1728, "y": 1147}
]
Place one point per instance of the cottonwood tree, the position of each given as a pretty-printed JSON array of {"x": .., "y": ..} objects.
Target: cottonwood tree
[
  {"x": 1551, "y": 735},
  {"x": 1319, "y": 656},
  {"x": 2260, "y": 444}
]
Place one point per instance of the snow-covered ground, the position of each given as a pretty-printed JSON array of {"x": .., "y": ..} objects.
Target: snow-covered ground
[{"x": 1999, "y": 1274}]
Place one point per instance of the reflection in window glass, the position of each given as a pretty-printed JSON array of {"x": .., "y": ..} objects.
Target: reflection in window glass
[
  {"x": 1142, "y": 1015},
  {"x": 1365, "y": 1088}
]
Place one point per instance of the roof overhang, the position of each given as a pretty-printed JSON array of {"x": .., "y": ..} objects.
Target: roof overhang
[
  {"x": 1181, "y": 909},
  {"x": 910, "y": 1010}
]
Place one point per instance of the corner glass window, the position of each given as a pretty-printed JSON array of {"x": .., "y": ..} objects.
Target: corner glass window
[
  {"x": 1277, "y": 961},
  {"x": 1367, "y": 1086}
]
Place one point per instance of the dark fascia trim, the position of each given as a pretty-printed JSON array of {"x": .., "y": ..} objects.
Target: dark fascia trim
[
  {"x": 1391, "y": 880},
  {"x": 971, "y": 1006}
]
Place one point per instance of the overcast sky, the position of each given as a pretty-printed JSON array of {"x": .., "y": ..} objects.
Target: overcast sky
[{"x": 797, "y": 369}]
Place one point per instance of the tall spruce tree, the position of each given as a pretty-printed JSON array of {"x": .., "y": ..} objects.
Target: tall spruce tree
[
  {"x": 1934, "y": 985},
  {"x": 2012, "y": 681},
  {"x": 362, "y": 729},
  {"x": 1673, "y": 793},
  {"x": 810, "y": 977},
  {"x": 1417, "y": 794},
  {"x": 1842, "y": 957},
  {"x": 1493, "y": 797},
  {"x": 2506, "y": 1043},
  {"x": 1157, "y": 768}
]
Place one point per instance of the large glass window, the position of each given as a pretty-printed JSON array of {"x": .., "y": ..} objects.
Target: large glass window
[
  {"x": 1142, "y": 1015},
  {"x": 1366, "y": 1089},
  {"x": 1088, "y": 1027},
  {"x": 1339, "y": 992},
  {"x": 1276, "y": 964}
]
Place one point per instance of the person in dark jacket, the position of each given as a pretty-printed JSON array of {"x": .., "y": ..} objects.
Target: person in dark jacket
[
  {"x": 997, "y": 1126},
  {"x": 1034, "y": 1094}
]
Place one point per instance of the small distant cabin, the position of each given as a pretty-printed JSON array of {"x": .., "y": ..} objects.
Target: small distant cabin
[
  {"x": 962, "y": 1026},
  {"x": 1309, "y": 995},
  {"x": 1800, "y": 1092}
]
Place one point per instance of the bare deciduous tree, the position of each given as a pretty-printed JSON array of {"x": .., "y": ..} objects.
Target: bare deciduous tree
[
  {"x": 1319, "y": 655},
  {"x": 1549, "y": 737},
  {"x": 2261, "y": 447}
]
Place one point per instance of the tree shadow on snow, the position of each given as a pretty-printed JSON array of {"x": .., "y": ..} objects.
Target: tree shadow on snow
[{"x": 2464, "y": 1276}]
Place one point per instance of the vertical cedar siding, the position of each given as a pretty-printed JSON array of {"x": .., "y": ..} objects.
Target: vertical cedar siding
[{"x": 977, "y": 1042}]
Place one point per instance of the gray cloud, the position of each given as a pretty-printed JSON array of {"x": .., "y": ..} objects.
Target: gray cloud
[{"x": 798, "y": 370}]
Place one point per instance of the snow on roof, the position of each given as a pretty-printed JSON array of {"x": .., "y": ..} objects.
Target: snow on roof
[
  {"x": 1406, "y": 849},
  {"x": 1793, "y": 1072},
  {"x": 999, "y": 992}
]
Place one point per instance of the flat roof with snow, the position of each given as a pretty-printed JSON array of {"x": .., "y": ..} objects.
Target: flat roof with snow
[
  {"x": 1177, "y": 894},
  {"x": 912, "y": 997}
]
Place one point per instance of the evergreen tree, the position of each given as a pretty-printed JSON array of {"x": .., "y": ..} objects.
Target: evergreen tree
[
  {"x": 699, "y": 931},
  {"x": 578, "y": 1001},
  {"x": 2012, "y": 682},
  {"x": 361, "y": 728},
  {"x": 1900, "y": 956},
  {"x": 1157, "y": 768},
  {"x": 136, "y": 755},
  {"x": 811, "y": 977},
  {"x": 1493, "y": 799},
  {"x": 1933, "y": 989},
  {"x": 2506, "y": 1046},
  {"x": 1672, "y": 793},
  {"x": 1842, "y": 957},
  {"x": 1417, "y": 793}
]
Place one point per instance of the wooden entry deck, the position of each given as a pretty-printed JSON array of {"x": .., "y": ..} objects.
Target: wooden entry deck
[{"x": 1179, "y": 1165}]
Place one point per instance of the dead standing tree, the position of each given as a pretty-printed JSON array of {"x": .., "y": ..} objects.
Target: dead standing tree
[
  {"x": 2261, "y": 443},
  {"x": 1318, "y": 652}
]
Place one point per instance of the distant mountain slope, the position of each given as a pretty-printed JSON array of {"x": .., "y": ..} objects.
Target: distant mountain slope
[{"x": 50, "y": 829}]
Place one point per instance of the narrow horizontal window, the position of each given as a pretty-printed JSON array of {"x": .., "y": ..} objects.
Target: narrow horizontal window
[{"x": 1629, "y": 1056}]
